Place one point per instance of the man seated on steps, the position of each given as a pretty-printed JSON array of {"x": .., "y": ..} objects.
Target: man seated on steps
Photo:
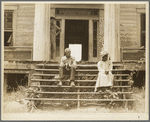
[{"x": 67, "y": 65}]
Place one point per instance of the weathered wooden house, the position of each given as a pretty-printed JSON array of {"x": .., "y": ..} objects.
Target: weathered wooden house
[{"x": 118, "y": 28}]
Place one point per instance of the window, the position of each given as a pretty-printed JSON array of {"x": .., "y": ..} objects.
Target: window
[
  {"x": 8, "y": 28},
  {"x": 143, "y": 28},
  {"x": 10, "y": 15},
  {"x": 58, "y": 40},
  {"x": 94, "y": 38}
]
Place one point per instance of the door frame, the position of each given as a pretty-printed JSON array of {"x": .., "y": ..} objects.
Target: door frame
[
  {"x": 82, "y": 39},
  {"x": 90, "y": 39}
]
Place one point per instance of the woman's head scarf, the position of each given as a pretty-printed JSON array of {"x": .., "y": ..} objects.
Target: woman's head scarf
[{"x": 103, "y": 53}]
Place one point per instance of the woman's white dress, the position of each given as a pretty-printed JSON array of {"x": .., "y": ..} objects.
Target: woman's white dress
[{"x": 104, "y": 80}]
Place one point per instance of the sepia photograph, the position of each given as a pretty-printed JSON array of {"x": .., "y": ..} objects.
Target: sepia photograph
[{"x": 74, "y": 60}]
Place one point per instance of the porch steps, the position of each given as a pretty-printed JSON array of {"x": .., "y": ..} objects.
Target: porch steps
[{"x": 46, "y": 78}]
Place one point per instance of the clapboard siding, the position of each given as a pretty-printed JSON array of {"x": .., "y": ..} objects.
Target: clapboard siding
[
  {"x": 24, "y": 33},
  {"x": 17, "y": 56},
  {"x": 129, "y": 25},
  {"x": 18, "y": 53},
  {"x": 25, "y": 25},
  {"x": 24, "y": 41},
  {"x": 134, "y": 56},
  {"x": 25, "y": 19},
  {"x": 128, "y": 17},
  {"x": 129, "y": 31},
  {"x": 21, "y": 34},
  {"x": 129, "y": 6}
]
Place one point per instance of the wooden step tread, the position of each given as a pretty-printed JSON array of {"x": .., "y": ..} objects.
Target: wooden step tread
[
  {"x": 46, "y": 69},
  {"x": 79, "y": 70},
  {"x": 81, "y": 92},
  {"x": 55, "y": 86},
  {"x": 48, "y": 99},
  {"x": 78, "y": 65},
  {"x": 53, "y": 80},
  {"x": 78, "y": 75},
  {"x": 96, "y": 70}
]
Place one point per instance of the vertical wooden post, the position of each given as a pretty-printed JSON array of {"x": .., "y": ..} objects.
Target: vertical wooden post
[
  {"x": 121, "y": 54},
  {"x": 100, "y": 33},
  {"x": 62, "y": 38},
  {"x": 117, "y": 32},
  {"x": 41, "y": 42},
  {"x": 29, "y": 79},
  {"x": 90, "y": 39},
  {"x": 78, "y": 96},
  {"x": 125, "y": 103},
  {"x": 5, "y": 83},
  {"x": 138, "y": 16},
  {"x": 53, "y": 38},
  {"x": 111, "y": 31}
]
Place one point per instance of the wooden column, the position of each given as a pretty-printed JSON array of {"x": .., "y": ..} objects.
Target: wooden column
[
  {"x": 111, "y": 31},
  {"x": 53, "y": 38},
  {"x": 41, "y": 42},
  {"x": 62, "y": 38},
  {"x": 90, "y": 40},
  {"x": 100, "y": 41}
]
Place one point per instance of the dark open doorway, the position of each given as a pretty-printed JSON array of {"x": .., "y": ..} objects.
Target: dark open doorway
[{"x": 77, "y": 33}]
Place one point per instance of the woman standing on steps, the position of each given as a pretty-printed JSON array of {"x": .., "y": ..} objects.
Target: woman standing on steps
[{"x": 105, "y": 77}]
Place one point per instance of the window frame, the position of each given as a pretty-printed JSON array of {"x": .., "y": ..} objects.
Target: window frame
[
  {"x": 14, "y": 9},
  {"x": 143, "y": 32},
  {"x": 96, "y": 48},
  {"x": 139, "y": 12}
]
